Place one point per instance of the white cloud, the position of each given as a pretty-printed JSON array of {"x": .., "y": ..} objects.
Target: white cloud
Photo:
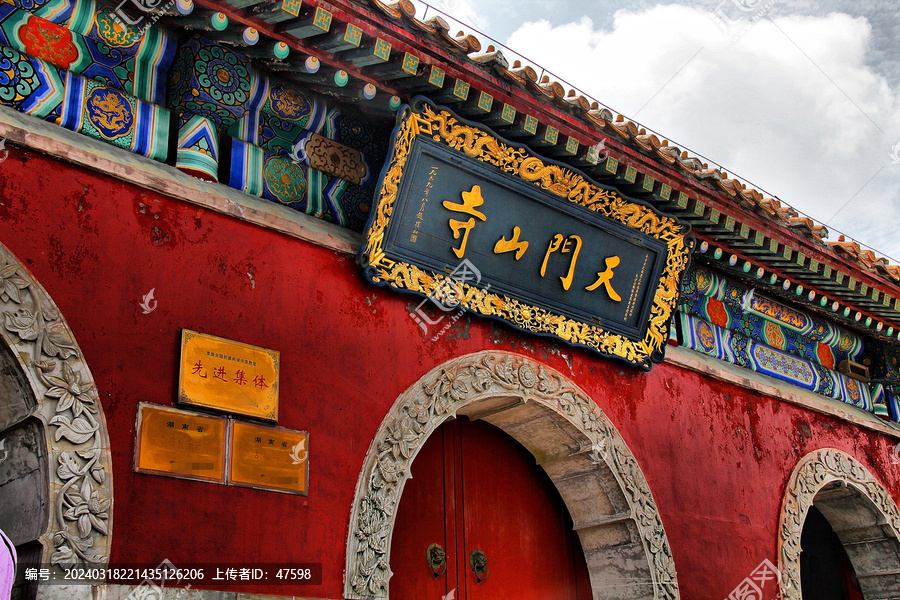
[
  {"x": 462, "y": 11},
  {"x": 789, "y": 104}
]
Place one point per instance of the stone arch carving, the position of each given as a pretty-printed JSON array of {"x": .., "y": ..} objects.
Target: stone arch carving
[
  {"x": 861, "y": 512},
  {"x": 47, "y": 359},
  {"x": 585, "y": 456}
]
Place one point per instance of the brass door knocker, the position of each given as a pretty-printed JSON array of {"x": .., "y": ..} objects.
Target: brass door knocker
[
  {"x": 478, "y": 562},
  {"x": 437, "y": 559}
]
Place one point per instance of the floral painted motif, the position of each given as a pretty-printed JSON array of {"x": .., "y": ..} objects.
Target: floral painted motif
[
  {"x": 223, "y": 75},
  {"x": 354, "y": 202},
  {"x": 212, "y": 81},
  {"x": 703, "y": 279},
  {"x": 212, "y": 111},
  {"x": 114, "y": 31},
  {"x": 846, "y": 342},
  {"x": 854, "y": 394},
  {"x": 110, "y": 112},
  {"x": 18, "y": 79},
  {"x": 717, "y": 313},
  {"x": 800, "y": 371},
  {"x": 825, "y": 355},
  {"x": 774, "y": 335},
  {"x": 288, "y": 103},
  {"x": 180, "y": 74},
  {"x": 49, "y": 42},
  {"x": 285, "y": 179}
]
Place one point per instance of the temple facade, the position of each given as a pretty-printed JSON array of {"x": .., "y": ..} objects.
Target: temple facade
[{"x": 318, "y": 299}]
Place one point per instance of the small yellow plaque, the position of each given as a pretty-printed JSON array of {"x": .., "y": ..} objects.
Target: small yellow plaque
[
  {"x": 269, "y": 458},
  {"x": 180, "y": 444},
  {"x": 228, "y": 376}
]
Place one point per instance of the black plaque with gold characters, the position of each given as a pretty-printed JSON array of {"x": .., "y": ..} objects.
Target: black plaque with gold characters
[{"x": 470, "y": 220}]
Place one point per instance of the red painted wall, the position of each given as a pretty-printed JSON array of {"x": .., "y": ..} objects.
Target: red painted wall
[{"x": 717, "y": 457}]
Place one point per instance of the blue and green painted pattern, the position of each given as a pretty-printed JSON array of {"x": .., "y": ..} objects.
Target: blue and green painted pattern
[
  {"x": 734, "y": 307},
  {"x": 266, "y": 175},
  {"x": 885, "y": 402},
  {"x": 734, "y": 347},
  {"x": 198, "y": 146},
  {"x": 112, "y": 116},
  {"x": 279, "y": 170},
  {"x": 213, "y": 81},
  {"x": 30, "y": 85},
  {"x": 246, "y": 168},
  {"x": 36, "y": 87},
  {"x": 94, "y": 45},
  {"x": 111, "y": 83}
]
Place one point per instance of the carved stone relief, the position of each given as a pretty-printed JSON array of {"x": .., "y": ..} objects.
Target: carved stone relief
[{"x": 80, "y": 474}]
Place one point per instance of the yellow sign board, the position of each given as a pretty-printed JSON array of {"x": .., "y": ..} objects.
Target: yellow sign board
[
  {"x": 269, "y": 458},
  {"x": 180, "y": 444},
  {"x": 228, "y": 376}
]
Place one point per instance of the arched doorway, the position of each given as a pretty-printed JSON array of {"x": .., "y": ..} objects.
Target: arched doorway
[
  {"x": 831, "y": 486},
  {"x": 55, "y": 469},
  {"x": 596, "y": 475}
]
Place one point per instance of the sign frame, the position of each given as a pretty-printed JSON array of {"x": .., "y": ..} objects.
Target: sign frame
[
  {"x": 385, "y": 264},
  {"x": 139, "y": 427},
  {"x": 269, "y": 413},
  {"x": 232, "y": 456}
]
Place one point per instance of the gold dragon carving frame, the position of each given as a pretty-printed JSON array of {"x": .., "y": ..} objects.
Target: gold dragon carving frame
[{"x": 443, "y": 127}]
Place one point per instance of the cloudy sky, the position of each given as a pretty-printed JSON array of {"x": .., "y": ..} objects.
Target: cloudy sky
[{"x": 800, "y": 98}]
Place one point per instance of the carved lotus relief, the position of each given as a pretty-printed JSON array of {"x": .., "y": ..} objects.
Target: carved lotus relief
[{"x": 81, "y": 489}]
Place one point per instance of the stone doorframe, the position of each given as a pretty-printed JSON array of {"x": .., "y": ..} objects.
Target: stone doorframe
[
  {"x": 79, "y": 527},
  {"x": 613, "y": 511},
  {"x": 859, "y": 509}
]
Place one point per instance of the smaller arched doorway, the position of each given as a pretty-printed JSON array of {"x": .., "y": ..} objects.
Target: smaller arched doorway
[
  {"x": 839, "y": 522},
  {"x": 826, "y": 572}
]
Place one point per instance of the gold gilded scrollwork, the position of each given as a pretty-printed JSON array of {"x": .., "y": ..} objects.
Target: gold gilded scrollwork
[{"x": 443, "y": 127}]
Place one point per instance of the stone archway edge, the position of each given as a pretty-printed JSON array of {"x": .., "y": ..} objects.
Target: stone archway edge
[
  {"x": 79, "y": 528},
  {"x": 813, "y": 472},
  {"x": 438, "y": 396}
]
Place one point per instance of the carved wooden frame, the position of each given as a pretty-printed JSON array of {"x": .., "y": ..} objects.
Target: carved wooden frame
[
  {"x": 443, "y": 127},
  {"x": 812, "y": 473},
  {"x": 79, "y": 528},
  {"x": 438, "y": 396}
]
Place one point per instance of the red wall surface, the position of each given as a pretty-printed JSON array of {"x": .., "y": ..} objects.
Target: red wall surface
[{"x": 717, "y": 457}]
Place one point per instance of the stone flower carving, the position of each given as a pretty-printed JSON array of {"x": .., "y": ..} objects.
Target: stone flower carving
[
  {"x": 87, "y": 509},
  {"x": 11, "y": 283},
  {"x": 80, "y": 521},
  {"x": 526, "y": 376}
]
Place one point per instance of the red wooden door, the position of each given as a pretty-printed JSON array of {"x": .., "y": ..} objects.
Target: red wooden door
[{"x": 475, "y": 488}]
